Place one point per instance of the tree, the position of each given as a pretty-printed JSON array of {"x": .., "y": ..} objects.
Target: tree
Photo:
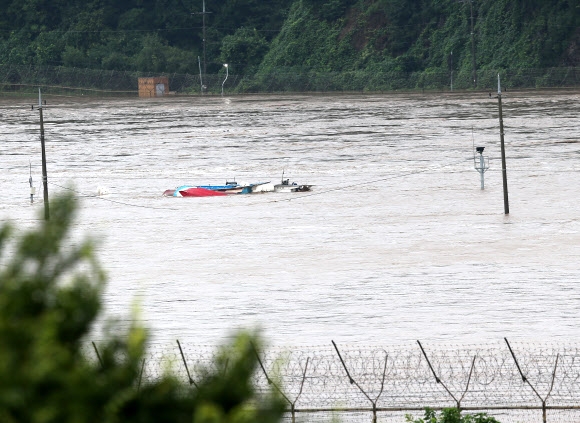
[
  {"x": 245, "y": 49},
  {"x": 49, "y": 298},
  {"x": 451, "y": 415}
]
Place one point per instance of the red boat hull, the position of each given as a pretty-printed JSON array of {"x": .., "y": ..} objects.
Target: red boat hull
[{"x": 201, "y": 192}]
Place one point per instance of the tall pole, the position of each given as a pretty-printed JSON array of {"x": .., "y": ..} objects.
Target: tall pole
[
  {"x": 474, "y": 76},
  {"x": 203, "y": 24},
  {"x": 506, "y": 205},
  {"x": 482, "y": 167},
  {"x": 203, "y": 13},
  {"x": 44, "y": 176}
]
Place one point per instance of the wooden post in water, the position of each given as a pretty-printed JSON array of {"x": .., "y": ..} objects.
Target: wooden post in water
[
  {"x": 506, "y": 205},
  {"x": 44, "y": 176}
]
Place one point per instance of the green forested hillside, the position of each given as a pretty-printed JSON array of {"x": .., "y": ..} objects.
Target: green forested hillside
[
  {"x": 257, "y": 37},
  {"x": 423, "y": 34},
  {"x": 146, "y": 35}
]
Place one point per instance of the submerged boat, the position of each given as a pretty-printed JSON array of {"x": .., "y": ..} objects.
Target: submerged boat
[
  {"x": 200, "y": 192},
  {"x": 234, "y": 188},
  {"x": 212, "y": 190}
]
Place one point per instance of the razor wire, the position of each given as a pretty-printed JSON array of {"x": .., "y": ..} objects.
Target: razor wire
[{"x": 541, "y": 381}]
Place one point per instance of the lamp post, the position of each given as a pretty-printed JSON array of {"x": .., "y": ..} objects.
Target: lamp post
[
  {"x": 227, "y": 73},
  {"x": 483, "y": 164}
]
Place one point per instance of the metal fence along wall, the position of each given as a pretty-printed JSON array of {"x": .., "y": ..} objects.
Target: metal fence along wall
[
  {"x": 513, "y": 382},
  {"x": 100, "y": 82}
]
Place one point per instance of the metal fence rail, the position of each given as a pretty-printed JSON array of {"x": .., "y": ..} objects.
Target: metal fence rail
[
  {"x": 18, "y": 78},
  {"x": 517, "y": 382}
]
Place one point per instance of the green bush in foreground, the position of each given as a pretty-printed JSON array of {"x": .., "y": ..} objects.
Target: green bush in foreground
[
  {"x": 49, "y": 298},
  {"x": 451, "y": 415}
]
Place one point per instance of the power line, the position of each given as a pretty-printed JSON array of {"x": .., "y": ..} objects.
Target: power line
[
  {"x": 294, "y": 197},
  {"x": 312, "y": 194},
  {"x": 113, "y": 201}
]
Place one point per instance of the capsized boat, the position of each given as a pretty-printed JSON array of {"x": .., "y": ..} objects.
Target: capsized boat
[
  {"x": 200, "y": 192},
  {"x": 212, "y": 190}
]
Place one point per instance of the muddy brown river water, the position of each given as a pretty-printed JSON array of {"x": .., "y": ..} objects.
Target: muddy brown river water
[{"x": 396, "y": 242}]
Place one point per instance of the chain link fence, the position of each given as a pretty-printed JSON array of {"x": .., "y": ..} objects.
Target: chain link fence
[
  {"x": 73, "y": 81},
  {"x": 512, "y": 382}
]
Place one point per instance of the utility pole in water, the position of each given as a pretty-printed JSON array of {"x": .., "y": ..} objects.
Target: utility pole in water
[
  {"x": 506, "y": 205},
  {"x": 44, "y": 176}
]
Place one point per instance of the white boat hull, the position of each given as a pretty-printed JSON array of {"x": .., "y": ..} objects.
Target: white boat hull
[{"x": 267, "y": 187}]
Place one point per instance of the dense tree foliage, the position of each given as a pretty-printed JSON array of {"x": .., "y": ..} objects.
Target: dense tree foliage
[
  {"x": 147, "y": 35},
  {"x": 49, "y": 299},
  {"x": 451, "y": 415},
  {"x": 314, "y": 35}
]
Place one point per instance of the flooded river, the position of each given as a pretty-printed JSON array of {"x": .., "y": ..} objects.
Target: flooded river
[{"x": 396, "y": 242}]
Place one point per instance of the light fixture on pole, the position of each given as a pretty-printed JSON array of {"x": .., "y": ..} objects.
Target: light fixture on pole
[
  {"x": 483, "y": 164},
  {"x": 227, "y": 73}
]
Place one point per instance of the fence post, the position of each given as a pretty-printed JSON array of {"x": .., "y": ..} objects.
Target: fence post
[
  {"x": 191, "y": 381},
  {"x": 301, "y": 386},
  {"x": 525, "y": 380},
  {"x": 98, "y": 355},
  {"x": 438, "y": 380},
  {"x": 141, "y": 375},
  {"x": 551, "y": 386},
  {"x": 270, "y": 381},
  {"x": 352, "y": 381}
]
